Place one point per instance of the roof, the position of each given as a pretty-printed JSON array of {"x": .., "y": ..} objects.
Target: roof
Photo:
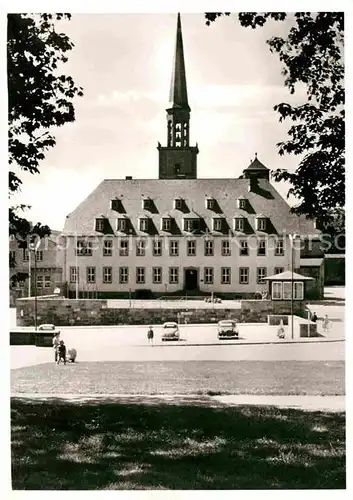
[
  {"x": 256, "y": 165},
  {"x": 288, "y": 276},
  {"x": 265, "y": 200}
]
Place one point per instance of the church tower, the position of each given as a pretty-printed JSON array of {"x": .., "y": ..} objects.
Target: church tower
[{"x": 178, "y": 160}]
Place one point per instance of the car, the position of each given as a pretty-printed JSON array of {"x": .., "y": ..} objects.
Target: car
[
  {"x": 48, "y": 328},
  {"x": 227, "y": 329},
  {"x": 170, "y": 331}
]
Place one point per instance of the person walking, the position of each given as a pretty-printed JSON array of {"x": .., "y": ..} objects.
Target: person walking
[
  {"x": 150, "y": 335},
  {"x": 314, "y": 318},
  {"x": 61, "y": 353},
  {"x": 325, "y": 324},
  {"x": 55, "y": 343}
]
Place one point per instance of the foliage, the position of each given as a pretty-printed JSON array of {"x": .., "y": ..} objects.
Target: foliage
[
  {"x": 312, "y": 55},
  {"x": 39, "y": 98}
]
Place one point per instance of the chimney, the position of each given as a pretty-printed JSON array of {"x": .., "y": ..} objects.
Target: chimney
[{"x": 128, "y": 177}]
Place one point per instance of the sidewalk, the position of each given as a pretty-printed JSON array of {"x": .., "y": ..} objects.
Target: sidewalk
[{"x": 307, "y": 403}]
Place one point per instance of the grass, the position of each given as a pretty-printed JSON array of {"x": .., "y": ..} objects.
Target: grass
[
  {"x": 186, "y": 445},
  {"x": 192, "y": 377}
]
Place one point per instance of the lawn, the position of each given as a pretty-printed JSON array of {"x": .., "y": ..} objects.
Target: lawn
[
  {"x": 177, "y": 445},
  {"x": 191, "y": 377}
]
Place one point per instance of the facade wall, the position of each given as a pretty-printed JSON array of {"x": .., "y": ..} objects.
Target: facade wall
[{"x": 183, "y": 261}]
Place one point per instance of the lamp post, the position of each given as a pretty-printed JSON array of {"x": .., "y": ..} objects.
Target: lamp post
[
  {"x": 29, "y": 275},
  {"x": 33, "y": 246},
  {"x": 292, "y": 238}
]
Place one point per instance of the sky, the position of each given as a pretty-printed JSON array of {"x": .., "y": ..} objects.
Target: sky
[{"x": 124, "y": 64}]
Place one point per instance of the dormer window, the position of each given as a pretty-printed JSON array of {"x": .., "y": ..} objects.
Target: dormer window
[
  {"x": 115, "y": 204},
  {"x": 143, "y": 224},
  {"x": 146, "y": 203},
  {"x": 166, "y": 224},
  {"x": 178, "y": 203},
  {"x": 217, "y": 224},
  {"x": 191, "y": 225},
  {"x": 100, "y": 224},
  {"x": 261, "y": 223},
  {"x": 242, "y": 203},
  {"x": 121, "y": 224},
  {"x": 238, "y": 223},
  {"x": 210, "y": 203}
]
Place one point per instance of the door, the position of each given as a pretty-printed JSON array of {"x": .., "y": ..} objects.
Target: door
[{"x": 191, "y": 281}]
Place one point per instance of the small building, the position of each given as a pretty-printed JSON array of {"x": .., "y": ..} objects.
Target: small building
[{"x": 280, "y": 286}]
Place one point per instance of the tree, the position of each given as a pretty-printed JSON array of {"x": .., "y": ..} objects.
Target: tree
[
  {"x": 312, "y": 55},
  {"x": 39, "y": 98}
]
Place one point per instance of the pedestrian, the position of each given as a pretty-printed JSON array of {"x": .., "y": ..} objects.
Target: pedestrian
[
  {"x": 150, "y": 335},
  {"x": 325, "y": 324},
  {"x": 280, "y": 332},
  {"x": 314, "y": 318},
  {"x": 61, "y": 352},
  {"x": 55, "y": 342}
]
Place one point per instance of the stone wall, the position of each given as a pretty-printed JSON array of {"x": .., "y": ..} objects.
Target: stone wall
[{"x": 66, "y": 312}]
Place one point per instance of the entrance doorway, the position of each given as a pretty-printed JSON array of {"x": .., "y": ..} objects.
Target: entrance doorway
[{"x": 191, "y": 281}]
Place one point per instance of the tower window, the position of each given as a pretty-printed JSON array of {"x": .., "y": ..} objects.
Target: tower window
[
  {"x": 116, "y": 204},
  {"x": 242, "y": 203},
  {"x": 146, "y": 203},
  {"x": 178, "y": 203}
]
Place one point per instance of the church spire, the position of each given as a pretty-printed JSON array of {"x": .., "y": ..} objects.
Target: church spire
[
  {"x": 178, "y": 159},
  {"x": 178, "y": 91}
]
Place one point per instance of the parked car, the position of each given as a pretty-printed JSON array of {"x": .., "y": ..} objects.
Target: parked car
[
  {"x": 227, "y": 329},
  {"x": 170, "y": 331},
  {"x": 48, "y": 328}
]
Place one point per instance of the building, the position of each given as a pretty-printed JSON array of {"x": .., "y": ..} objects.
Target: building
[
  {"x": 178, "y": 233},
  {"x": 41, "y": 277}
]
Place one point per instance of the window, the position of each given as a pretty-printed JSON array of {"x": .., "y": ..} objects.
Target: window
[
  {"x": 146, "y": 203},
  {"x": 91, "y": 274},
  {"x": 124, "y": 248},
  {"x": 39, "y": 255},
  {"x": 239, "y": 224},
  {"x": 217, "y": 224},
  {"x": 100, "y": 223},
  {"x": 261, "y": 223},
  {"x": 225, "y": 249},
  {"x": 12, "y": 255},
  {"x": 121, "y": 224},
  {"x": 174, "y": 248},
  {"x": 107, "y": 248},
  {"x": 244, "y": 275},
  {"x": 173, "y": 275},
  {"x": 191, "y": 225},
  {"x": 157, "y": 274},
  {"x": 225, "y": 275},
  {"x": 83, "y": 248},
  {"x": 107, "y": 275},
  {"x": 47, "y": 281},
  {"x": 123, "y": 275},
  {"x": 115, "y": 204},
  {"x": 277, "y": 290},
  {"x": 144, "y": 225},
  {"x": 191, "y": 248},
  {"x": 298, "y": 290},
  {"x": 208, "y": 248},
  {"x": 178, "y": 203},
  {"x": 279, "y": 250},
  {"x": 166, "y": 224},
  {"x": 208, "y": 275},
  {"x": 157, "y": 248},
  {"x": 279, "y": 270},
  {"x": 261, "y": 275},
  {"x": 140, "y": 275},
  {"x": 242, "y": 203},
  {"x": 140, "y": 248},
  {"x": 244, "y": 248},
  {"x": 261, "y": 247},
  {"x": 73, "y": 274},
  {"x": 25, "y": 254},
  {"x": 40, "y": 281},
  {"x": 210, "y": 202}
]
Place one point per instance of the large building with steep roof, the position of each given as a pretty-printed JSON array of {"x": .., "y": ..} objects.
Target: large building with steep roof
[{"x": 181, "y": 234}]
